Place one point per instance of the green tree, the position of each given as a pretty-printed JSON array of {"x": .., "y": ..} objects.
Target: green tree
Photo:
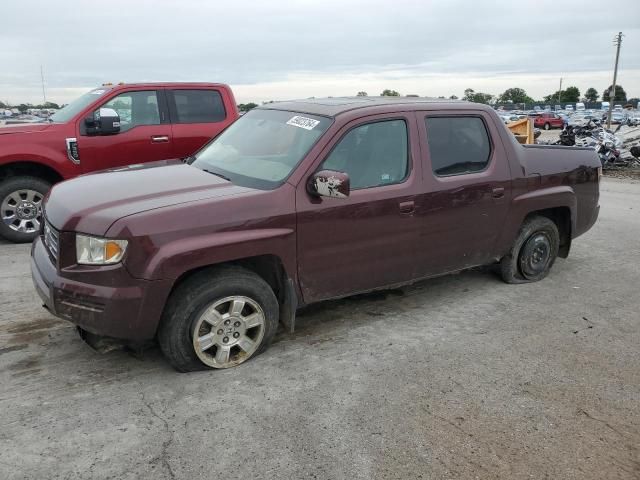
[
  {"x": 515, "y": 95},
  {"x": 453, "y": 97},
  {"x": 570, "y": 95},
  {"x": 634, "y": 101},
  {"x": 245, "y": 107},
  {"x": 620, "y": 95},
  {"x": 3, "y": 105},
  {"x": 362, "y": 94},
  {"x": 478, "y": 97},
  {"x": 389, "y": 93},
  {"x": 591, "y": 94}
]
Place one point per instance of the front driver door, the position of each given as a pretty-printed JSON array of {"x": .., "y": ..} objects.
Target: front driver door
[
  {"x": 145, "y": 133},
  {"x": 367, "y": 240}
]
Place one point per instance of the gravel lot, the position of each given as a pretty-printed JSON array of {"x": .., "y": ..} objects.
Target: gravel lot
[{"x": 457, "y": 377}]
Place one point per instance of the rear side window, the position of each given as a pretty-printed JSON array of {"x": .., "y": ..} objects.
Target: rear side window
[
  {"x": 198, "y": 106},
  {"x": 457, "y": 145}
]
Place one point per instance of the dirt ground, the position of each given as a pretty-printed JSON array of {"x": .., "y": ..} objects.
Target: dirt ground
[{"x": 457, "y": 377}]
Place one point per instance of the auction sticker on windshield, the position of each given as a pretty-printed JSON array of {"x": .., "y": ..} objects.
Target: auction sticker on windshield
[{"x": 303, "y": 122}]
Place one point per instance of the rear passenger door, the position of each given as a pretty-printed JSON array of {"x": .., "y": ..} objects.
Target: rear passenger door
[
  {"x": 467, "y": 190},
  {"x": 197, "y": 115}
]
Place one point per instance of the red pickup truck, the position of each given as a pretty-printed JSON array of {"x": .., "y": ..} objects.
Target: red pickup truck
[
  {"x": 299, "y": 202},
  {"x": 111, "y": 126}
]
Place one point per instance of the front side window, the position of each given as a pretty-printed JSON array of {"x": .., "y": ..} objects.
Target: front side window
[
  {"x": 262, "y": 148},
  {"x": 135, "y": 108},
  {"x": 198, "y": 106},
  {"x": 372, "y": 155},
  {"x": 457, "y": 145}
]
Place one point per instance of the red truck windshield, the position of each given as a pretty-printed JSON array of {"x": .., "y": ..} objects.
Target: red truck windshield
[
  {"x": 261, "y": 149},
  {"x": 71, "y": 110}
]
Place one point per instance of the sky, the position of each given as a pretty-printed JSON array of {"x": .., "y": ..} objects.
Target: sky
[{"x": 278, "y": 50}]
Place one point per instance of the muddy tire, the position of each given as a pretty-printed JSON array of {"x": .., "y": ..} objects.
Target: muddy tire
[
  {"x": 218, "y": 318},
  {"x": 533, "y": 253},
  {"x": 21, "y": 207}
]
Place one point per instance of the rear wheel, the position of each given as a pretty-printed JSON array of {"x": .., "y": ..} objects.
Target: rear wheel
[
  {"x": 533, "y": 253},
  {"x": 218, "y": 319},
  {"x": 21, "y": 208}
]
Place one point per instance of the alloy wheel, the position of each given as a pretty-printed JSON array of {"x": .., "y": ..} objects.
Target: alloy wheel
[
  {"x": 22, "y": 210},
  {"x": 228, "y": 332}
]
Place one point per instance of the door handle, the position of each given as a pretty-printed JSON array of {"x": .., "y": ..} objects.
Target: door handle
[
  {"x": 159, "y": 138},
  {"x": 407, "y": 208},
  {"x": 497, "y": 192}
]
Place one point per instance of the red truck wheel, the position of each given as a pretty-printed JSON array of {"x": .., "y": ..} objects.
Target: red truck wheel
[
  {"x": 21, "y": 208},
  {"x": 547, "y": 126},
  {"x": 218, "y": 318},
  {"x": 533, "y": 253}
]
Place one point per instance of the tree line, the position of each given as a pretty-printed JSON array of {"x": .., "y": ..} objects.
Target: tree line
[{"x": 569, "y": 95}]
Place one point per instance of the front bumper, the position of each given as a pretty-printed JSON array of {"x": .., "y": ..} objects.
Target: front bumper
[{"x": 116, "y": 305}]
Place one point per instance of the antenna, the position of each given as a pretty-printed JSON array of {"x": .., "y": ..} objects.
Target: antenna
[{"x": 44, "y": 96}]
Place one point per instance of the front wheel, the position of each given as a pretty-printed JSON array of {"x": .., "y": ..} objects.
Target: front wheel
[
  {"x": 547, "y": 126},
  {"x": 218, "y": 319},
  {"x": 533, "y": 253},
  {"x": 21, "y": 208}
]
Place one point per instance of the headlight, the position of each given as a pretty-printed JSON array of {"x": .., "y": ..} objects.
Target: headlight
[{"x": 99, "y": 251}]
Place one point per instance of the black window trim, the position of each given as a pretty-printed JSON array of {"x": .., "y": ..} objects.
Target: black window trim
[
  {"x": 173, "y": 109},
  {"x": 462, "y": 115},
  {"x": 369, "y": 122}
]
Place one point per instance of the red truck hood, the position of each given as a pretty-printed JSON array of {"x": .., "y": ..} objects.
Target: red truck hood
[
  {"x": 26, "y": 128},
  {"x": 92, "y": 203}
]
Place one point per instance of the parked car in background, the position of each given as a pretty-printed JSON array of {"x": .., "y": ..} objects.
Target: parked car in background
[
  {"x": 110, "y": 126},
  {"x": 580, "y": 107},
  {"x": 548, "y": 121},
  {"x": 299, "y": 202},
  {"x": 569, "y": 108},
  {"x": 604, "y": 106}
]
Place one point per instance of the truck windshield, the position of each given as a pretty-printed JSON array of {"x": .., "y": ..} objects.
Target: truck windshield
[
  {"x": 71, "y": 110},
  {"x": 261, "y": 149}
]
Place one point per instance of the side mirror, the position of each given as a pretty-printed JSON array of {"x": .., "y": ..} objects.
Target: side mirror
[
  {"x": 329, "y": 183},
  {"x": 105, "y": 121}
]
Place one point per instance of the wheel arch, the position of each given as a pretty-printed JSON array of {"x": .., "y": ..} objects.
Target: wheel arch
[
  {"x": 561, "y": 216},
  {"x": 268, "y": 267},
  {"x": 30, "y": 168}
]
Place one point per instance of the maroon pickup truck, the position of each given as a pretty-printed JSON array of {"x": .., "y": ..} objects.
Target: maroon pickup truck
[
  {"x": 111, "y": 126},
  {"x": 299, "y": 202}
]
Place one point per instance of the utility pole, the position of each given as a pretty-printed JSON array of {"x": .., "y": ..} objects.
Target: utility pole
[
  {"x": 560, "y": 93},
  {"x": 612, "y": 93},
  {"x": 44, "y": 97}
]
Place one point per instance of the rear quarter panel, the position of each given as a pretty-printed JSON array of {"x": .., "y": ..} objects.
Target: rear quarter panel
[{"x": 549, "y": 176}]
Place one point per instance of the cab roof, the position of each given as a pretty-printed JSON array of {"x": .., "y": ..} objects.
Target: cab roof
[{"x": 333, "y": 106}]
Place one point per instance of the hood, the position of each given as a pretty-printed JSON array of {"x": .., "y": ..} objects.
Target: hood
[
  {"x": 26, "y": 128},
  {"x": 92, "y": 203}
]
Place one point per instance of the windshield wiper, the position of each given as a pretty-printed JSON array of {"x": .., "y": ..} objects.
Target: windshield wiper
[{"x": 217, "y": 174}]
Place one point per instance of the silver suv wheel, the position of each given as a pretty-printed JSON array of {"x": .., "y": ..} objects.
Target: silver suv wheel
[{"x": 228, "y": 332}]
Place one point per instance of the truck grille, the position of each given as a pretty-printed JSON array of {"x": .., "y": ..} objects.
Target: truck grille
[{"x": 51, "y": 239}]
